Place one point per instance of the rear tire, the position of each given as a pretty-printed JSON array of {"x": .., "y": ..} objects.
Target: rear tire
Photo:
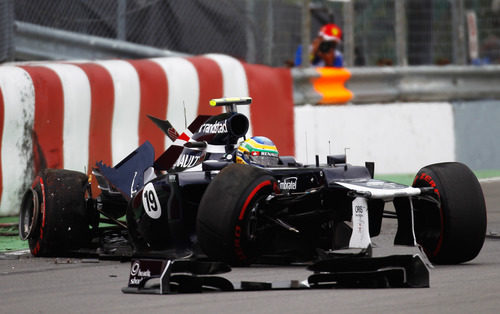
[
  {"x": 63, "y": 222},
  {"x": 455, "y": 231},
  {"x": 227, "y": 219}
]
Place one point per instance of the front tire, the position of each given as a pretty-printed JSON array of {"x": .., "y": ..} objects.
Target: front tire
[
  {"x": 228, "y": 220},
  {"x": 453, "y": 232}
]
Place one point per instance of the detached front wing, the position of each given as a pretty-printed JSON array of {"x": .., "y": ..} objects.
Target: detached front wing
[{"x": 164, "y": 276}]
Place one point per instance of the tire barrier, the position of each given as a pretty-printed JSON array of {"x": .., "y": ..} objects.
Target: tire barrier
[{"x": 72, "y": 114}]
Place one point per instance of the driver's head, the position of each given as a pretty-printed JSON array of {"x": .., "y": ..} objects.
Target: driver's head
[{"x": 258, "y": 151}]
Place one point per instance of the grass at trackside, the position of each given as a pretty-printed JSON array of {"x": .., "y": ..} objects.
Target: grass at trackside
[
  {"x": 398, "y": 178},
  {"x": 13, "y": 242},
  {"x": 407, "y": 179},
  {"x": 484, "y": 174}
]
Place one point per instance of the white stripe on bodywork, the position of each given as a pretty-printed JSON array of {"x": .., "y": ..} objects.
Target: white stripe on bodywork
[
  {"x": 234, "y": 82},
  {"x": 125, "y": 128},
  {"x": 183, "y": 91},
  {"x": 17, "y": 148},
  {"x": 383, "y": 192},
  {"x": 215, "y": 149},
  {"x": 360, "y": 236},
  {"x": 76, "y": 95}
]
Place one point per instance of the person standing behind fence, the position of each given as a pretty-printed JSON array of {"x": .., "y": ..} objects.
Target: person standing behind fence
[{"x": 324, "y": 47}]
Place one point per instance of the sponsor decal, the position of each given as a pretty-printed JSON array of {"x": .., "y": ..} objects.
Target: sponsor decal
[
  {"x": 360, "y": 237},
  {"x": 133, "y": 190},
  {"x": 214, "y": 128},
  {"x": 144, "y": 269},
  {"x": 172, "y": 133},
  {"x": 137, "y": 275},
  {"x": 289, "y": 184},
  {"x": 135, "y": 269},
  {"x": 151, "y": 202},
  {"x": 135, "y": 281},
  {"x": 145, "y": 273},
  {"x": 263, "y": 153},
  {"x": 359, "y": 213},
  {"x": 237, "y": 243},
  {"x": 358, "y": 209},
  {"x": 187, "y": 161},
  {"x": 427, "y": 178}
]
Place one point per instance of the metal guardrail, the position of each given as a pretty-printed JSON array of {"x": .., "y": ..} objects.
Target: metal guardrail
[
  {"x": 426, "y": 83},
  {"x": 35, "y": 42},
  {"x": 404, "y": 84},
  {"x": 303, "y": 89}
]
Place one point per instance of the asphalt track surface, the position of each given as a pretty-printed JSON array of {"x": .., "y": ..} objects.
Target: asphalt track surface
[{"x": 48, "y": 285}]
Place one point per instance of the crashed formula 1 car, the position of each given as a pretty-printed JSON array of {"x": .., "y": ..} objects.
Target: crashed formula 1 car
[{"x": 214, "y": 199}]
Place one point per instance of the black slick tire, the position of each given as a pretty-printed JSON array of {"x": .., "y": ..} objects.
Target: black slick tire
[
  {"x": 63, "y": 223},
  {"x": 227, "y": 218},
  {"x": 453, "y": 232}
]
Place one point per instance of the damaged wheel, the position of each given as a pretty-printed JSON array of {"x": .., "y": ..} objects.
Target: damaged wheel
[
  {"x": 53, "y": 214},
  {"x": 451, "y": 226},
  {"x": 228, "y": 224}
]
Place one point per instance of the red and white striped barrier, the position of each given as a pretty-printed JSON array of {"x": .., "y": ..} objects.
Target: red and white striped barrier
[{"x": 70, "y": 115}]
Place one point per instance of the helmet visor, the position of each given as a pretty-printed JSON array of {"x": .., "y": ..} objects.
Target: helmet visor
[{"x": 265, "y": 161}]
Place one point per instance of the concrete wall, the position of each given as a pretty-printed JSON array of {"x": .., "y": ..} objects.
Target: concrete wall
[
  {"x": 399, "y": 138},
  {"x": 477, "y": 133},
  {"x": 402, "y": 137}
]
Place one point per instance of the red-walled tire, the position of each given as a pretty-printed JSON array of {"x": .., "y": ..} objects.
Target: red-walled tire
[
  {"x": 227, "y": 220},
  {"x": 453, "y": 232},
  {"x": 62, "y": 222}
]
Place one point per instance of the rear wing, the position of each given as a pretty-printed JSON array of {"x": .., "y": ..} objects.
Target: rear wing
[{"x": 231, "y": 102}]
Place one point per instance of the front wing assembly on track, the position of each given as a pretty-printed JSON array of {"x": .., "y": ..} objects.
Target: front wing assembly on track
[{"x": 165, "y": 276}]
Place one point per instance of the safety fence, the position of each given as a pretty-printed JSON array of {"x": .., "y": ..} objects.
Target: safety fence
[
  {"x": 376, "y": 32},
  {"x": 35, "y": 42},
  {"x": 6, "y": 30}
]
